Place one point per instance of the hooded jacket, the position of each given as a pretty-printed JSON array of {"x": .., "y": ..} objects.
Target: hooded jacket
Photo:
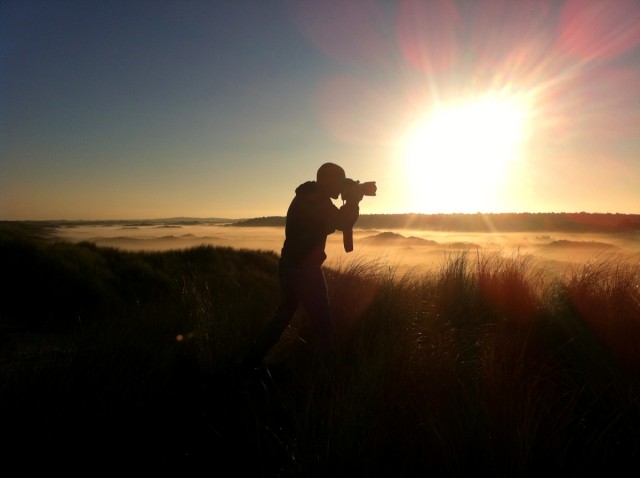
[{"x": 311, "y": 217}]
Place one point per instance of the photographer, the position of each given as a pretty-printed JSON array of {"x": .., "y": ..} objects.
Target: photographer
[{"x": 311, "y": 217}]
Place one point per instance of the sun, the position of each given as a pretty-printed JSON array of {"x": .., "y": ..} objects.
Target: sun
[{"x": 459, "y": 156}]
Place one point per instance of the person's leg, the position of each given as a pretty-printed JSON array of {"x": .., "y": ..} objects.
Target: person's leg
[
  {"x": 311, "y": 289},
  {"x": 274, "y": 329}
]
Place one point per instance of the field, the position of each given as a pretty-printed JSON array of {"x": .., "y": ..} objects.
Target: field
[{"x": 472, "y": 357}]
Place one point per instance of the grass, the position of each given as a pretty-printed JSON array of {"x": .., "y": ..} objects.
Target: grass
[{"x": 487, "y": 365}]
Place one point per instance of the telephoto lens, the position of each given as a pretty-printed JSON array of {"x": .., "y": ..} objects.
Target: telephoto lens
[{"x": 369, "y": 188}]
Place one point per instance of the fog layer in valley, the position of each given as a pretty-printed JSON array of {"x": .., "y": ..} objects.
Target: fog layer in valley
[{"x": 400, "y": 250}]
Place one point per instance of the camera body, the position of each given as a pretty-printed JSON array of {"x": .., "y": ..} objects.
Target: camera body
[{"x": 355, "y": 190}]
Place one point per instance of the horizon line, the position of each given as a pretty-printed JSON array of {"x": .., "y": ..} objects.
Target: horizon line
[{"x": 222, "y": 219}]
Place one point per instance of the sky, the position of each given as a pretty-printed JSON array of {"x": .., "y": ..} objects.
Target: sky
[{"x": 155, "y": 109}]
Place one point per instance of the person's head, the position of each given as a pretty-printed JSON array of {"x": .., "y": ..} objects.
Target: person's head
[{"x": 330, "y": 178}]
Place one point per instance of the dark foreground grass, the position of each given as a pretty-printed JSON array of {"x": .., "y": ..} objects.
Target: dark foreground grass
[{"x": 116, "y": 361}]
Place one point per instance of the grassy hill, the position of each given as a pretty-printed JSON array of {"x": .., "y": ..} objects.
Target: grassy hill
[{"x": 113, "y": 359}]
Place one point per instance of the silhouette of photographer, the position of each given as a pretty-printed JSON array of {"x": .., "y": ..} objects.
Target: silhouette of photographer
[{"x": 311, "y": 217}]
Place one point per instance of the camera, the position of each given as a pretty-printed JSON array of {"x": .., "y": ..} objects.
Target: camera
[{"x": 355, "y": 190}]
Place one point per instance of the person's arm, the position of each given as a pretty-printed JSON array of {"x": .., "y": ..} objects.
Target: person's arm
[{"x": 347, "y": 215}]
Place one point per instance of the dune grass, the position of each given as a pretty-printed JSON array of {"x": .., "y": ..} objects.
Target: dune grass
[{"x": 487, "y": 365}]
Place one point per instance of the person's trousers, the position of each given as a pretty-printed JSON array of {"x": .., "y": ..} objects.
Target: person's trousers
[{"x": 304, "y": 286}]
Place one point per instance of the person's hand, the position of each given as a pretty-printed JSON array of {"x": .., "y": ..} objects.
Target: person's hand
[{"x": 352, "y": 192}]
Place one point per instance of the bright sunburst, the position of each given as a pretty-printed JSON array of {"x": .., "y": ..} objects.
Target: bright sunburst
[{"x": 458, "y": 157}]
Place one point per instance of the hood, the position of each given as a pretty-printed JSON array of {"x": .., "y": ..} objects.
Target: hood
[{"x": 310, "y": 187}]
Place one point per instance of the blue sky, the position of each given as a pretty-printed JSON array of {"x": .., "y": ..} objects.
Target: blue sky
[{"x": 148, "y": 109}]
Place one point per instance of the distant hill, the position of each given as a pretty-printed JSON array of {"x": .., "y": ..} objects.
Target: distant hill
[
  {"x": 269, "y": 221},
  {"x": 133, "y": 222},
  {"x": 504, "y": 222},
  {"x": 387, "y": 238}
]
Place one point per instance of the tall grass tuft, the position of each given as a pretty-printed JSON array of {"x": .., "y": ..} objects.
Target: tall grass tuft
[{"x": 606, "y": 293}]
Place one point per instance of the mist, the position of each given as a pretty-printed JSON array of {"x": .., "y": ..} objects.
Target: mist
[{"x": 400, "y": 250}]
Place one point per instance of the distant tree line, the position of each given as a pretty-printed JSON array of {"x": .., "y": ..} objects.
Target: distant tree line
[{"x": 478, "y": 222}]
